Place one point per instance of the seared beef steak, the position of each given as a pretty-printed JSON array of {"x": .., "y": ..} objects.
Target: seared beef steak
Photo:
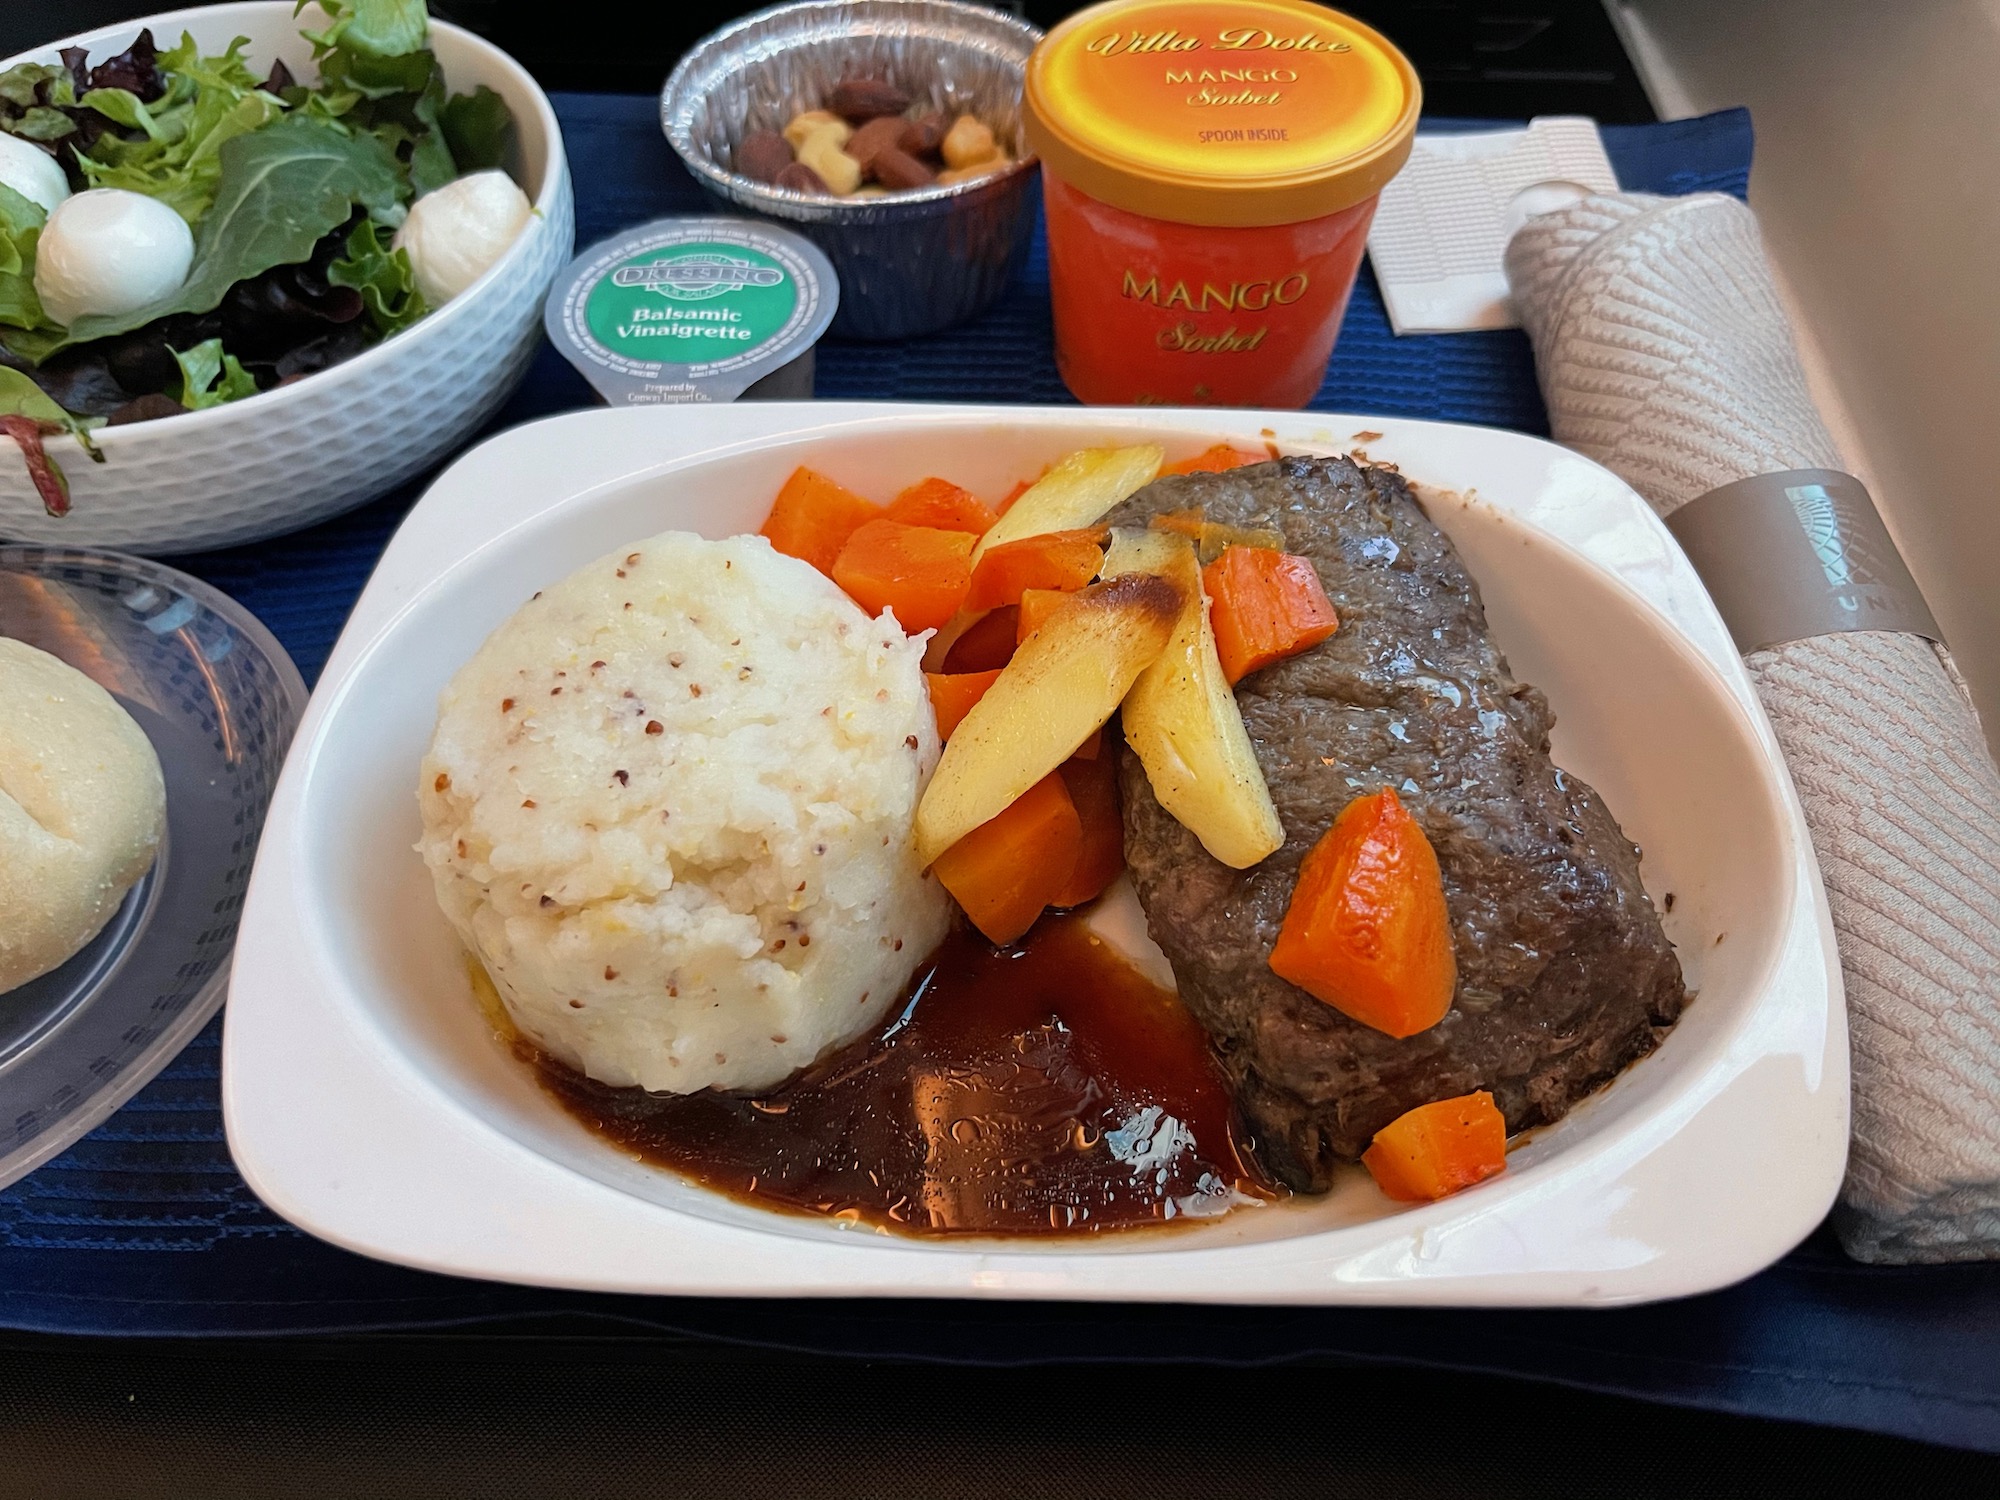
[{"x": 1564, "y": 974}]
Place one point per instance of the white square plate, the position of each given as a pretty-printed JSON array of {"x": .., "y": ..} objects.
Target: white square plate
[{"x": 368, "y": 1102}]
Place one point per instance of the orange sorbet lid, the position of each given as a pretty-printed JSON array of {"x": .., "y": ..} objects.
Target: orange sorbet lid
[{"x": 1230, "y": 112}]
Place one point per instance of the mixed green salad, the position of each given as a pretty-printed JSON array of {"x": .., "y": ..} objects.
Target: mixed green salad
[{"x": 270, "y": 247}]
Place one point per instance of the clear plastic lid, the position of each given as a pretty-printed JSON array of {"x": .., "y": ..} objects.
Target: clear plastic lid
[{"x": 219, "y": 699}]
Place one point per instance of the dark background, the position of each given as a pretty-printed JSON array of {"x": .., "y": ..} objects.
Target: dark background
[
  {"x": 556, "y": 1410},
  {"x": 543, "y": 1414},
  {"x": 1492, "y": 60}
]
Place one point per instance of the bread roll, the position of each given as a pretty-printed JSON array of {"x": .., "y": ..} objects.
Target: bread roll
[{"x": 82, "y": 809}]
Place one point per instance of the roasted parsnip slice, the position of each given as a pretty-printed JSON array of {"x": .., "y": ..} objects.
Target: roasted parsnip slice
[
  {"x": 1079, "y": 489},
  {"x": 1181, "y": 717},
  {"x": 1063, "y": 683}
]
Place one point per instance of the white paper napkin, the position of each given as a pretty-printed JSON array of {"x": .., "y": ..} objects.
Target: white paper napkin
[{"x": 1441, "y": 229}]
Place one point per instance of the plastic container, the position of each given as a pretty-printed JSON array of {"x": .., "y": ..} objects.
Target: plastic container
[
  {"x": 219, "y": 699},
  {"x": 1210, "y": 169},
  {"x": 694, "y": 309}
]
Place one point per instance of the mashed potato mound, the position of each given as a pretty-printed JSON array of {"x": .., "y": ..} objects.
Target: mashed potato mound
[{"x": 668, "y": 805}]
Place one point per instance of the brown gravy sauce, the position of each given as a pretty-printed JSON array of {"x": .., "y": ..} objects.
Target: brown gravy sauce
[{"x": 1048, "y": 1088}]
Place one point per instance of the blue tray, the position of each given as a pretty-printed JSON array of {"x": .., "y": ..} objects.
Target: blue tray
[{"x": 144, "y": 1227}]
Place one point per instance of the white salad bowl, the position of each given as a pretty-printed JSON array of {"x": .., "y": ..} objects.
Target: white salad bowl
[
  {"x": 287, "y": 458},
  {"x": 368, "y": 1101}
]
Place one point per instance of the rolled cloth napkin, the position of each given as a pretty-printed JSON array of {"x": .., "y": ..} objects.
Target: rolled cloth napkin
[{"x": 1665, "y": 355}]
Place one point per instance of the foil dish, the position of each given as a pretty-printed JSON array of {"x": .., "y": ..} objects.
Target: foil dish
[{"x": 911, "y": 263}]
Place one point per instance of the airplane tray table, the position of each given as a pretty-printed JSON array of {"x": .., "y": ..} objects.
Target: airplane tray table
[{"x": 145, "y": 1228}]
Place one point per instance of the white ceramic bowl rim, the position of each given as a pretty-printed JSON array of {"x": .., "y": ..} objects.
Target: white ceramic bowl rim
[{"x": 120, "y": 35}]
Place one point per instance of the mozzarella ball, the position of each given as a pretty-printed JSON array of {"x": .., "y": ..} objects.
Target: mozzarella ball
[
  {"x": 452, "y": 235},
  {"x": 32, "y": 172},
  {"x": 106, "y": 251}
]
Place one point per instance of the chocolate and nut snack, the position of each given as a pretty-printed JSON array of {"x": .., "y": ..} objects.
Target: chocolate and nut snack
[
  {"x": 868, "y": 141},
  {"x": 763, "y": 154},
  {"x": 858, "y": 99}
]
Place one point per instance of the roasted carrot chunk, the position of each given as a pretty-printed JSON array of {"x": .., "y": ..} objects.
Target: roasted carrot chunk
[
  {"x": 1010, "y": 867},
  {"x": 1264, "y": 606},
  {"x": 1036, "y": 607},
  {"x": 1439, "y": 1148},
  {"x": 954, "y": 693},
  {"x": 1062, "y": 560},
  {"x": 813, "y": 517},
  {"x": 940, "y": 503},
  {"x": 987, "y": 645},
  {"x": 1367, "y": 930},
  {"x": 1214, "y": 461},
  {"x": 920, "y": 572},
  {"x": 1093, "y": 789}
]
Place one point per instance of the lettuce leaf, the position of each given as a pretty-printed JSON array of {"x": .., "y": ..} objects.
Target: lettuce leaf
[
  {"x": 375, "y": 77},
  {"x": 136, "y": 70},
  {"x": 377, "y": 73},
  {"x": 374, "y": 47},
  {"x": 477, "y": 127},
  {"x": 124, "y": 108},
  {"x": 33, "y": 344},
  {"x": 21, "y": 221},
  {"x": 27, "y": 412},
  {"x": 407, "y": 122},
  {"x": 38, "y": 102},
  {"x": 278, "y": 191},
  {"x": 229, "y": 70},
  {"x": 19, "y": 85},
  {"x": 208, "y": 102},
  {"x": 42, "y": 123},
  {"x": 210, "y": 377},
  {"x": 383, "y": 276},
  {"x": 395, "y": 98},
  {"x": 377, "y": 28},
  {"x": 21, "y": 397}
]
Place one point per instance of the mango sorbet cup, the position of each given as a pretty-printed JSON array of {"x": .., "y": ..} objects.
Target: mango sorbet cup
[{"x": 1210, "y": 169}]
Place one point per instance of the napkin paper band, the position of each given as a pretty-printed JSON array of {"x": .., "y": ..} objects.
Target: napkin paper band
[{"x": 1798, "y": 554}]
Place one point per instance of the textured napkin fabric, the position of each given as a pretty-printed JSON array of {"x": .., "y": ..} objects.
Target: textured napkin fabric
[{"x": 1665, "y": 355}]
